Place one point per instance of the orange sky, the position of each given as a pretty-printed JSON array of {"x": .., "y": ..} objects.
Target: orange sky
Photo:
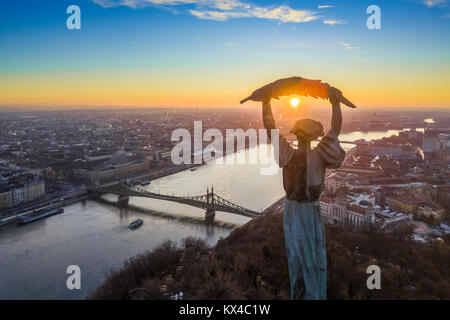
[{"x": 135, "y": 88}]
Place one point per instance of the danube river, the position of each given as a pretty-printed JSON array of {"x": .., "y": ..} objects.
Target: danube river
[{"x": 94, "y": 234}]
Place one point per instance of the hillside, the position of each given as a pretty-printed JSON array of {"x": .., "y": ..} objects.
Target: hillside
[{"x": 251, "y": 264}]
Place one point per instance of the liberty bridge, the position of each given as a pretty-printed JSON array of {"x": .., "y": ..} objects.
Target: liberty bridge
[{"x": 210, "y": 201}]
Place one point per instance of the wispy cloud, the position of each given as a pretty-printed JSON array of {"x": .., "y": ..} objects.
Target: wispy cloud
[
  {"x": 347, "y": 46},
  {"x": 333, "y": 21},
  {"x": 218, "y": 4},
  {"x": 435, "y": 3},
  {"x": 218, "y": 15},
  {"x": 222, "y": 10},
  {"x": 227, "y": 4},
  {"x": 141, "y": 3},
  {"x": 446, "y": 16},
  {"x": 325, "y": 6},
  {"x": 284, "y": 14}
]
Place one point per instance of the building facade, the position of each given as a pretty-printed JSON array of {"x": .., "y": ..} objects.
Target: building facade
[{"x": 21, "y": 189}]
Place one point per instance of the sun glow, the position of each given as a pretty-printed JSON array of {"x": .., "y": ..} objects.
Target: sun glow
[{"x": 295, "y": 102}]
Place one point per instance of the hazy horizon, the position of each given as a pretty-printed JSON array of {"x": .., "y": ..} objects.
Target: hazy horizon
[{"x": 249, "y": 107}]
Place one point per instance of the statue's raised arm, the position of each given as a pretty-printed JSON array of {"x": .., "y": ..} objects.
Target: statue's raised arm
[{"x": 336, "y": 118}]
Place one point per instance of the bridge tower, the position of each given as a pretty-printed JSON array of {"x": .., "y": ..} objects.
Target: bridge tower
[
  {"x": 210, "y": 212},
  {"x": 123, "y": 200}
]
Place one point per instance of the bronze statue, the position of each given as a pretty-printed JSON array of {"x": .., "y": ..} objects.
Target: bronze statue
[{"x": 303, "y": 180}]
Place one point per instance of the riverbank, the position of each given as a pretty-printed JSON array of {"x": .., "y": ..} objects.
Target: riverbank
[{"x": 49, "y": 206}]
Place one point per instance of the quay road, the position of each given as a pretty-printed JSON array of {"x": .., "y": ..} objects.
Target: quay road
[{"x": 50, "y": 204}]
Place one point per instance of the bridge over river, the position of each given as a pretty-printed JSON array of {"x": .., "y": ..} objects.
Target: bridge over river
[{"x": 210, "y": 201}]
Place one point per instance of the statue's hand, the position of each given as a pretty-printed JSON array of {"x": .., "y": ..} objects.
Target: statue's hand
[
  {"x": 263, "y": 94},
  {"x": 334, "y": 95}
]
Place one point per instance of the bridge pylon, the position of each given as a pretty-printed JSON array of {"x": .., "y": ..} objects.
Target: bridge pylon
[
  {"x": 123, "y": 200},
  {"x": 209, "y": 215}
]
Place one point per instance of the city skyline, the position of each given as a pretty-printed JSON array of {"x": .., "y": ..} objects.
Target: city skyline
[{"x": 212, "y": 53}]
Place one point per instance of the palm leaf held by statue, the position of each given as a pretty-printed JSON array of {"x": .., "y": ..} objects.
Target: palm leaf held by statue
[{"x": 297, "y": 86}]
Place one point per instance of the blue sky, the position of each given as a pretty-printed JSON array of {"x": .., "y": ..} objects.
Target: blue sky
[{"x": 241, "y": 42}]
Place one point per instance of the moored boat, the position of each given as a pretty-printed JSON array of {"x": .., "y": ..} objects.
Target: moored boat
[{"x": 25, "y": 220}]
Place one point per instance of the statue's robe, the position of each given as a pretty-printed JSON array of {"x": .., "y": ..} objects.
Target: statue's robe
[{"x": 303, "y": 181}]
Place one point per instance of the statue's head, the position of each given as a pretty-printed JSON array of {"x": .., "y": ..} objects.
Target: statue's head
[{"x": 307, "y": 130}]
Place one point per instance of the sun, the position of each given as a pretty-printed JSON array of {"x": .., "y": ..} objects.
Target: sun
[{"x": 295, "y": 102}]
